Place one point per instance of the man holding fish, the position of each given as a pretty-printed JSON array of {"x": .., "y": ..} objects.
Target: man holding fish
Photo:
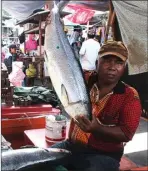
[
  {"x": 96, "y": 144},
  {"x": 116, "y": 110}
]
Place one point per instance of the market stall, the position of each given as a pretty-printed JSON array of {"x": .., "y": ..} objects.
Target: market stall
[{"x": 35, "y": 24}]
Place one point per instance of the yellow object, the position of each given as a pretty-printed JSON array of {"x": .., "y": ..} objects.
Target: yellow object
[
  {"x": 31, "y": 71},
  {"x": 99, "y": 31},
  {"x": 65, "y": 29}
]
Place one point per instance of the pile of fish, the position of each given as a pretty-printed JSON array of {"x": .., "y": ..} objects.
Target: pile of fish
[
  {"x": 64, "y": 69},
  {"x": 30, "y": 159}
]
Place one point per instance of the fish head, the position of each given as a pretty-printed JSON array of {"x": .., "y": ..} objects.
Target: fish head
[{"x": 76, "y": 108}]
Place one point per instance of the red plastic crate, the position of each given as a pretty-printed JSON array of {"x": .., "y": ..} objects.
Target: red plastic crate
[{"x": 13, "y": 112}]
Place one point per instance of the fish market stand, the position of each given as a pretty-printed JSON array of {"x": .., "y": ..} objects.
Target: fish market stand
[{"x": 35, "y": 24}]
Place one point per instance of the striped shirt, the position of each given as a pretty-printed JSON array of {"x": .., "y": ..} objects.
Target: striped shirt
[{"x": 120, "y": 108}]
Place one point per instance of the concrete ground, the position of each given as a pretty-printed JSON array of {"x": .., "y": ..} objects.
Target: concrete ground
[{"x": 137, "y": 149}]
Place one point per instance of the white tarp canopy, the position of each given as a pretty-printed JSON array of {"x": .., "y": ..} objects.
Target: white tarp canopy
[
  {"x": 133, "y": 22},
  {"x": 21, "y": 9}
]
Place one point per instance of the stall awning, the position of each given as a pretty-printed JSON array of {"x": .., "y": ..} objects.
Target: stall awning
[{"x": 21, "y": 9}]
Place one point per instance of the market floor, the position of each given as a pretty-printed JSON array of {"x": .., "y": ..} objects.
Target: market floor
[{"x": 137, "y": 149}]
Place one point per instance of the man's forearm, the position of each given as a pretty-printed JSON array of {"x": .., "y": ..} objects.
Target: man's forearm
[{"x": 109, "y": 134}]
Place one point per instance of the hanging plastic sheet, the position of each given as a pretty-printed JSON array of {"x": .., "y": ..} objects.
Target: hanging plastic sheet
[
  {"x": 21, "y": 9},
  {"x": 133, "y": 22}
]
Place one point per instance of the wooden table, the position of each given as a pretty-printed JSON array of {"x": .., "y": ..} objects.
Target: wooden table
[{"x": 36, "y": 137}]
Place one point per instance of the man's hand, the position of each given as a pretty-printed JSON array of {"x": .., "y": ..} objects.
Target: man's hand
[
  {"x": 85, "y": 124},
  {"x": 108, "y": 133}
]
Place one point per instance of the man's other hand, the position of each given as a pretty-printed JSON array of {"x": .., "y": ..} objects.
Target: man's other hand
[{"x": 85, "y": 124}]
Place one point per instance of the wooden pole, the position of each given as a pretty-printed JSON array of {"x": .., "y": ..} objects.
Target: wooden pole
[
  {"x": 112, "y": 24},
  {"x": 25, "y": 44},
  {"x": 110, "y": 20}
]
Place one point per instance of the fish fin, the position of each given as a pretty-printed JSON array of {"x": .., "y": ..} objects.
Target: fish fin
[{"x": 64, "y": 96}]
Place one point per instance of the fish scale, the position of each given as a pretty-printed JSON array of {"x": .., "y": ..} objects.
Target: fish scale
[
  {"x": 64, "y": 69},
  {"x": 30, "y": 159}
]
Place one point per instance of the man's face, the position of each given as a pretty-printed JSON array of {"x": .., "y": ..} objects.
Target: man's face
[
  {"x": 13, "y": 50},
  {"x": 110, "y": 69}
]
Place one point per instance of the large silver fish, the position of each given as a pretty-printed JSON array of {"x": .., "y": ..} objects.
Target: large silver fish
[
  {"x": 33, "y": 159},
  {"x": 64, "y": 69}
]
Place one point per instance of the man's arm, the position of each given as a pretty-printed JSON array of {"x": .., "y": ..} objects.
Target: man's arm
[
  {"x": 109, "y": 134},
  {"x": 83, "y": 49},
  {"x": 123, "y": 132},
  {"x": 128, "y": 123},
  {"x": 105, "y": 133}
]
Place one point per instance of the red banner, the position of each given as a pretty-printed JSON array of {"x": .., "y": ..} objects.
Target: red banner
[
  {"x": 81, "y": 15},
  {"x": 77, "y": 6}
]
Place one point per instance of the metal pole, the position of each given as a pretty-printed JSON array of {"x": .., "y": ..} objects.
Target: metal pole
[
  {"x": 87, "y": 28},
  {"x": 40, "y": 35}
]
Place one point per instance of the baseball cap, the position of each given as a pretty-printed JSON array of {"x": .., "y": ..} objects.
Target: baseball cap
[
  {"x": 116, "y": 48},
  {"x": 12, "y": 46},
  {"x": 91, "y": 32}
]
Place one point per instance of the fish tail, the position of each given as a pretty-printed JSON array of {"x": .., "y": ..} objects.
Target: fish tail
[
  {"x": 56, "y": 2},
  {"x": 62, "y": 4}
]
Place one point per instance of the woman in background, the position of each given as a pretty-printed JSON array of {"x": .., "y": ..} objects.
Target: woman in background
[{"x": 31, "y": 44}]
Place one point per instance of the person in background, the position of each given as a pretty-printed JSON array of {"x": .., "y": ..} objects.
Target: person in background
[
  {"x": 84, "y": 34},
  {"x": 30, "y": 75},
  {"x": 31, "y": 44},
  {"x": 89, "y": 53},
  {"x": 75, "y": 35},
  {"x": 3, "y": 57},
  {"x": 10, "y": 57},
  {"x": 98, "y": 38},
  {"x": 98, "y": 144},
  {"x": 75, "y": 41},
  {"x": 2, "y": 53}
]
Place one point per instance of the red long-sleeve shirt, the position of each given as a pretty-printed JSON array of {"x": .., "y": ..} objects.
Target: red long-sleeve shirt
[{"x": 120, "y": 108}]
